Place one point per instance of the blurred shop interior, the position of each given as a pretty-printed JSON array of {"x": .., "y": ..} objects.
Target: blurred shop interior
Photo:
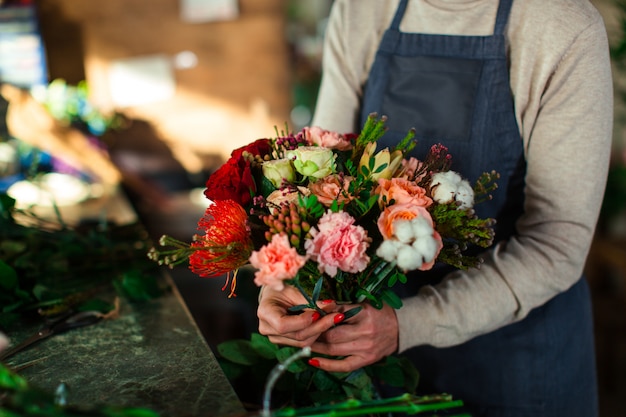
[{"x": 155, "y": 95}]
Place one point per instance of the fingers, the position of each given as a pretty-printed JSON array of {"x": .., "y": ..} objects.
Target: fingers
[
  {"x": 348, "y": 364},
  {"x": 363, "y": 340},
  {"x": 299, "y": 331}
]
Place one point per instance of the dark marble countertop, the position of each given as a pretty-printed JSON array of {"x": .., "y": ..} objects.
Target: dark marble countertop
[{"x": 151, "y": 356}]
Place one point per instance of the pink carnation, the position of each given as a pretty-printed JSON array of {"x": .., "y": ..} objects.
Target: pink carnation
[
  {"x": 276, "y": 262},
  {"x": 338, "y": 244},
  {"x": 326, "y": 138}
]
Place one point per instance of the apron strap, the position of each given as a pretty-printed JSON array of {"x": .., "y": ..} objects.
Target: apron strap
[
  {"x": 503, "y": 16},
  {"x": 397, "y": 18}
]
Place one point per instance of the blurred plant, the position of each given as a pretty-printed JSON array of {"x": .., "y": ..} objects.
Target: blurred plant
[{"x": 70, "y": 104}]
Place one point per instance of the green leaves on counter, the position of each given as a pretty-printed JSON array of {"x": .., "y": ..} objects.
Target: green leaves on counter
[{"x": 51, "y": 267}]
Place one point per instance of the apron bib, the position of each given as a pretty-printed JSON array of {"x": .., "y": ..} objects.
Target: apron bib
[{"x": 455, "y": 90}]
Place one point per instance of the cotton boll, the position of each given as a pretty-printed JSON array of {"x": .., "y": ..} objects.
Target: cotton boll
[
  {"x": 448, "y": 177},
  {"x": 421, "y": 227},
  {"x": 443, "y": 193},
  {"x": 426, "y": 246},
  {"x": 388, "y": 250},
  {"x": 465, "y": 195},
  {"x": 443, "y": 186},
  {"x": 403, "y": 230},
  {"x": 408, "y": 258}
]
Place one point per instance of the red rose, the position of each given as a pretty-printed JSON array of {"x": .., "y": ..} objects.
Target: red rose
[
  {"x": 234, "y": 180},
  {"x": 260, "y": 147}
]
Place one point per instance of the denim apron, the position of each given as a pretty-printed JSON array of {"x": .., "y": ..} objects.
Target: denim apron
[{"x": 455, "y": 90}]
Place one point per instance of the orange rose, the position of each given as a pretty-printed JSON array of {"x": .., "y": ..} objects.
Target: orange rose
[{"x": 402, "y": 191}]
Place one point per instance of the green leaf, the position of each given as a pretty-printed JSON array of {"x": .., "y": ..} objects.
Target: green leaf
[
  {"x": 265, "y": 186},
  {"x": 381, "y": 168},
  {"x": 391, "y": 298},
  {"x": 262, "y": 345},
  {"x": 232, "y": 370},
  {"x": 137, "y": 286},
  {"x": 296, "y": 366},
  {"x": 326, "y": 382},
  {"x": 359, "y": 384},
  {"x": 317, "y": 290},
  {"x": 6, "y": 203},
  {"x": 239, "y": 351},
  {"x": 8, "y": 276},
  {"x": 96, "y": 304},
  {"x": 10, "y": 380},
  {"x": 352, "y": 312},
  {"x": 391, "y": 374},
  {"x": 299, "y": 307}
]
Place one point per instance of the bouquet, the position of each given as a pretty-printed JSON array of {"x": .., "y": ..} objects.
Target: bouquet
[{"x": 335, "y": 216}]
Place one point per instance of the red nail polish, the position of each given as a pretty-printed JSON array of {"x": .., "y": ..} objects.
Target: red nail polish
[
  {"x": 314, "y": 362},
  {"x": 339, "y": 318},
  {"x": 315, "y": 317},
  {"x": 326, "y": 301}
]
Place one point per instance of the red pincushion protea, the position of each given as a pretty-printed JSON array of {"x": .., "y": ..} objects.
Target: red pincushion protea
[{"x": 226, "y": 244}]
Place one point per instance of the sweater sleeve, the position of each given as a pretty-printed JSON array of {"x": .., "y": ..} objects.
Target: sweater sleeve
[
  {"x": 567, "y": 148},
  {"x": 345, "y": 64}
]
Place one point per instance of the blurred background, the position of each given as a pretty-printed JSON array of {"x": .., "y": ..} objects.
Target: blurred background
[{"x": 154, "y": 95}]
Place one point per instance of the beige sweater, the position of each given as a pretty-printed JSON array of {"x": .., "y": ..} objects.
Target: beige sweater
[{"x": 562, "y": 87}]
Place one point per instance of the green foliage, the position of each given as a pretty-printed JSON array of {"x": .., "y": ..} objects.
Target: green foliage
[
  {"x": 461, "y": 227},
  {"x": 47, "y": 268},
  {"x": 303, "y": 385}
]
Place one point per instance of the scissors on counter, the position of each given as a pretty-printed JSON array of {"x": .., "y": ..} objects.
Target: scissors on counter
[{"x": 70, "y": 321}]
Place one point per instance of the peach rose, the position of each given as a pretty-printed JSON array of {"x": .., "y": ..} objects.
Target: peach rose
[
  {"x": 276, "y": 262},
  {"x": 402, "y": 191},
  {"x": 326, "y": 138},
  {"x": 331, "y": 188}
]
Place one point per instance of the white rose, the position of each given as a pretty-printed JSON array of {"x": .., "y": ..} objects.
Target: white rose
[
  {"x": 279, "y": 170},
  {"x": 313, "y": 161}
]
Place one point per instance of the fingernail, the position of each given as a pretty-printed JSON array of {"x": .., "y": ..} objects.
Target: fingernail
[
  {"x": 326, "y": 301},
  {"x": 339, "y": 318},
  {"x": 314, "y": 362},
  {"x": 315, "y": 317}
]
